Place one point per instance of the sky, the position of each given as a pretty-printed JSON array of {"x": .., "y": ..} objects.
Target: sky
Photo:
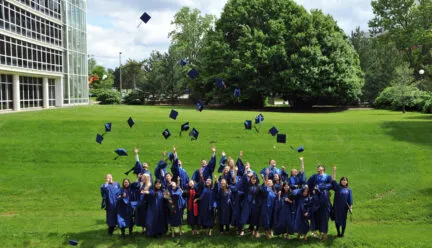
[{"x": 112, "y": 25}]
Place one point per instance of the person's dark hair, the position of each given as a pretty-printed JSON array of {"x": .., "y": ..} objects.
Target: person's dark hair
[
  {"x": 126, "y": 179},
  {"x": 283, "y": 186},
  {"x": 321, "y": 165},
  {"x": 157, "y": 181},
  {"x": 256, "y": 179},
  {"x": 342, "y": 178},
  {"x": 168, "y": 174}
]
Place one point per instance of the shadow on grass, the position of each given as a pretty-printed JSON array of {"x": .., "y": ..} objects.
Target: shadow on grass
[
  {"x": 101, "y": 238},
  {"x": 422, "y": 117},
  {"x": 410, "y": 131}
]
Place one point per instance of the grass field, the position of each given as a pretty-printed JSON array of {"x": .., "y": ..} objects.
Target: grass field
[{"x": 52, "y": 168}]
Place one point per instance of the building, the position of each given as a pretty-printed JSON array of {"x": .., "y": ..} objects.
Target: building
[{"x": 43, "y": 54}]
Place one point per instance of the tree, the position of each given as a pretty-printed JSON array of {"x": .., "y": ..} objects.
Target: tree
[
  {"x": 91, "y": 64},
  {"x": 280, "y": 50},
  {"x": 403, "y": 85},
  {"x": 99, "y": 71},
  {"x": 131, "y": 71},
  {"x": 190, "y": 28}
]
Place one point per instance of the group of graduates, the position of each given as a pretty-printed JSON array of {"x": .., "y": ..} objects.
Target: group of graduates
[{"x": 284, "y": 204}]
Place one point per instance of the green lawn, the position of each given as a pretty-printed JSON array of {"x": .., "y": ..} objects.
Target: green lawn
[{"x": 52, "y": 168}]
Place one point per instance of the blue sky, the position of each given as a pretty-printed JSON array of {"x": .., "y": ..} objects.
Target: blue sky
[{"x": 112, "y": 24}]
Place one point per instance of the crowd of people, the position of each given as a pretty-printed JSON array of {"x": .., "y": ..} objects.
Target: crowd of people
[{"x": 272, "y": 201}]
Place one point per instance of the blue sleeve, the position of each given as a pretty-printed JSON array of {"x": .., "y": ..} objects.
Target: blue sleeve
[
  {"x": 350, "y": 198},
  {"x": 175, "y": 168},
  {"x": 301, "y": 178},
  {"x": 161, "y": 166},
  {"x": 335, "y": 186},
  {"x": 240, "y": 166},
  {"x": 211, "y": 166},
  {"x": 195, "y": 177},
  {"x": 284, "y": 175},
  {"x": 311, "y": 182},
  {"x": 222, "y": 162},
  {"x": 262, "y": 172},
  {"x": 328, "y": 184}
]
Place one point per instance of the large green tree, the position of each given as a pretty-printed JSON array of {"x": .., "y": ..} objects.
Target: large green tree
[{"x": 276, "y": 48}]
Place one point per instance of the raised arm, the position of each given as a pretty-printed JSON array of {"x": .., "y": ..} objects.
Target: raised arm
[
  {"x": 240, "y": 165},
  {"x": 301, "y": 165},
  {"x": 222, "y": 162},
  {"x": 212, "y": 164},
  {"x": 334, "y": 173}
]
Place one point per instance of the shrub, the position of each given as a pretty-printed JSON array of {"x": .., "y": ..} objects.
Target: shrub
[
  {"x": 109, "y": 97},
  {"x": 95, "y": 92},
  {"x": 135, "y": 97},
  {"x": 415, "y": 99}
]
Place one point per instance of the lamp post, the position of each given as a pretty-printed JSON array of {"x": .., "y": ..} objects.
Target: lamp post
[
  {"x": 120, "y": 53},
  {"x": 103, "y": 78}
]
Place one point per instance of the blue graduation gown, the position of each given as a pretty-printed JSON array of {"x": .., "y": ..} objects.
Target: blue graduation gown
[
  {"x": 141, "y": 209},
  {"x": 178, "y": 171},
  {"x": 283, "y": 219},
  {"x": 110, "y": 193},
  {"x": 342, "y": 197},
  {"x": 124, "y": 209},
  {"x": 192, "y": 220},
  {"x": 207, "y": 171},
  {"x": 320, "y": 217},
  {"x": 298, "y": 181},
  {"x": 222, "y": 164},
  {"x": 250, "y": 206},
  {"x": 237, "y": 198},
  {"x": 224, "y": 206},
  {"x": 272, "y": 172},
  {"x": 176, "y": 219},
  {"x": 206, "y": 211},
  {"x": 267, "y": 207},
  {"x": 156, "y": 219},
  {"x": 301, "y": 225},
  {"x": 160, "y": 170}
]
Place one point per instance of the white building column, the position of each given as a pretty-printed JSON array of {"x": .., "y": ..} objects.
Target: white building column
[
  {"x": 59, "y": 92},
  {"x": 16, "y": 92},
  {"x": 45, "y": 93}
]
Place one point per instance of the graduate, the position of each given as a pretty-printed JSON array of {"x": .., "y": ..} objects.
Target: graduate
[
  {"x": 141, "y": 168},
  {"x": 302, "y": 216},
  {"x": 110, "y": 192},
  {"x": 250, "y": 209},
  {"x": 166, "y": 183},
  {"x": 224, "y": 200},
  {"x": 206, "y": 208},
  {"x": 138, "y": 190},
  {"x": 284, "y": 175},
  {"x": 343, "y": 202},
  {"x": 175, "y": 217},
  {"x": 237, "y": 198},
  {"x": 156, "y": 219},
  {"x": 283, "y": 218},
  {"x": 296, "y": 179},
  {"x": 160, "y": 170},
  {"x": 226, "y": 175},
  {"x": 267, "y": 205},
  {"x": 178, "y": 171},
  {"x": 321, "y": 183},
  {"x": 277, "y": 182},
  {"x": 124, "y": 208},
  {"x": 206, "y": 170},
  {"x": 272, "y": 170},
  {"x": 190, "y": 194}
]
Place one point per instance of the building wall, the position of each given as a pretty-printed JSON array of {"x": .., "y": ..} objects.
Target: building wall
[{"x": 42, "y": 53}]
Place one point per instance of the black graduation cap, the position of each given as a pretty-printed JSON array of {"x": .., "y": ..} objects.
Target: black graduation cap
[
  {"x": 108, "y": 127},
  {"x": 237, "y": 93},
  {"x": 73, "y": 242},
  {"x": 193, "y": 73},
  {"x": 145, "y": 17},
  {"x": 281, "y": 138},
  {"x": 300, "y": 149},
  {"x": 220, "y": 83},
  {"x": 120, "y": 152},
  {"x": 248, "y": 124},
  {"x": 130, "y": 121},
  {"x": 194, "y": 133},
  {"x": 183, "y": 62},
  {"x": 166, "y": 133},
  {"x": 184, "y": 127},
  {"x": 273, "y": 131},
  {"x": 259, "y": 119},
  {"x": 173, "y": 114},
  {"x": 99, "y": 138},
  {"x": 199, "y": 106}
]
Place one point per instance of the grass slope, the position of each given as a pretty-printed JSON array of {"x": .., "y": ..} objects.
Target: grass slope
[{"x": 52, "y": 168}]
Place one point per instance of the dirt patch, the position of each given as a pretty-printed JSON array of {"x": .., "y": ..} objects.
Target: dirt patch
[{"x": 8, "y": 214}]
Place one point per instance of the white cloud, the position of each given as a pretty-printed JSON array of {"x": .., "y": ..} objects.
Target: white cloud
[{"x": 112, "y": 24}]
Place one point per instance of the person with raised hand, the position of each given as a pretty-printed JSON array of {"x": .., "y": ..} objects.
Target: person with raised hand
[
  {"x": 110, "y": 192},
  {"x": 206, "y": 170},
  {"x": 343, "y": 202}
]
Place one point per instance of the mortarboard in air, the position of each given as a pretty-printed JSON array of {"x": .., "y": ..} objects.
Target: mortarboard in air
[
  {"x": 220, "y": 83},
  {"x": 199, "y": 106},
  {"x": 248, "y": 124},
  {"x": 193, "y": 73},
  {"x": 300, "y": 149},
  {"x": 237, "y": 93},
  {"x": 184, "y": 127},
  {"x": 166, "y": 133},
  {"x": 281, "y": 138},
  {"x": 173, "y": 114},
  {"x": 183, "y": 62},
  {"x": 145, "y": 17},
  {"x": 73, "y": 242},
  {"x": 108, "y": 127},
  {"x": 99, "y": 138},
  {"x": 273, "y": 131},
  {"x": 259, "y": 119},
  {"x": 194, "y": 134},
  {"x": 130, "y": 121},
  {"x": 121, "y": 152}
]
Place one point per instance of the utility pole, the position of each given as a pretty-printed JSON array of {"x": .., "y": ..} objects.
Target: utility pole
[{"x": 120, "y": 53}]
